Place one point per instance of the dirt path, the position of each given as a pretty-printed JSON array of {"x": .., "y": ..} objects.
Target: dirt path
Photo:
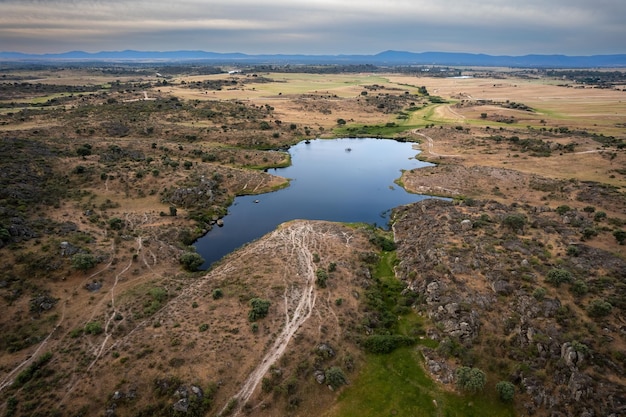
[
  {"x": 298, "y": 239},
  {"x": 430, "y": 145}
]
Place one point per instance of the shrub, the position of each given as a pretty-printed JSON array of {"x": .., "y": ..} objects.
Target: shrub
[
  {"x": 321, "y": 278},
  {"x": 561, "y": 210},
  {"x": 599, "y": 308},
  {"x": 539, "y": 293},
  {"x": 203, "y": 327},
  {"x": 83, "y": 261},
  {"x": 588, "y": 233},
  {"x": 573, "y": 250},
  {"x": 506, "y": 391},
  {"x": 33, "y": 370},
  {"x": 470, "y": 379},
  {"x": 620, "y": 236},
  {"x": 259, "y": 309},
  {"x": 557, "y": 276},
  {"x": 386, "y": 343},
  {"x": 93, "y": 327},
  {"x": 335, "y": 377},
  {"x": 217, "y": 294},
  {"x": 599, "y": 216},
  {"x": 116, "y": 223},
  {"x": 515, "y": 222},
  {"x": 579, "y": 288},
  {"x": 191, "y": 261}
]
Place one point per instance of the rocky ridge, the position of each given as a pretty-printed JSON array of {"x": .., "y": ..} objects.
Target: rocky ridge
[{"x": 485, "y": 286}]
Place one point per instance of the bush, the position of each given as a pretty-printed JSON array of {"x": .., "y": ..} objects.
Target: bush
[
  {"x": 573, "y": 250},
  {"x": 599, "y": 216},
  {"x": 386, "y": 343},
  {"x": 83, "y": 261},
  {"x": 93, "y": 327},
  {"x": 191, "y": 261},
  {"x": 561, "y": 210},
  {"x": 620, "y": 236},
  {"x": 217, "y": 294},
  {"x": 321, "y": 278},
  {"x": 515, "y": 222},
  {"x": 599, "y": 308},
  {"x": 579, "y": 288},
  {"x": 557, "y": 276},
  {"x": 335, "y": 377},
  {"x": 539, "y": 293},
  {"x": 470, "y": 379},
  {"x": 506, "y": 391},
  {"x": 33, "y": 371},
  {"x": 116, "y": 223},
  {"x": 259, "y": 309}
]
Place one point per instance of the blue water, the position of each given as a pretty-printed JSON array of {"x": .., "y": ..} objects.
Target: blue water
[{"x": 342, "y": 180}]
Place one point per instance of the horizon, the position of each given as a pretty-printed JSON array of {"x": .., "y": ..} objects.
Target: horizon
[{"x": 118, "y": 51}]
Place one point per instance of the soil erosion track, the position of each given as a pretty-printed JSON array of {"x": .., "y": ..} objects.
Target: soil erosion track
[{"x": 294, "y": 241}]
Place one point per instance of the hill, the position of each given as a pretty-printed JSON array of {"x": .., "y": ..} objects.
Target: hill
[{"x": 383, "y": 58}]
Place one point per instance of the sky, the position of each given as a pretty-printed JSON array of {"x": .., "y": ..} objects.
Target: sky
[{"x": 316, "y": 27}]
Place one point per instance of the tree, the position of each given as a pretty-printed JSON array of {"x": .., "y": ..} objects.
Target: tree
[
  {"x": 335, "y": 377},
  {"x": 116, "y": 223},
  {"x": 599, "y": 308},
  {"x": 259, "y": 309},
  {"x": 515, "y": 222},
  {"x": 561, "y": 210},
  {"x": 191, "y": 261},
  {"x": 589, "y": 210},
  {"x": 620, "y": 236},
  {"x": 470, "y": 379},
  {"x": 84, "y": 150},
  {"x": 557, "y": 276},
  {"x": 341, "y": 122},
  {"x": 506, "y": 391},
  {"x": 83, "y": 261}
]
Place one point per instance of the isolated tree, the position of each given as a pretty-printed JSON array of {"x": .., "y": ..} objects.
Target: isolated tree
[
  {"x": 259, "y": 309},
  {"x": 589, "y": 210},
  {"x": 335, "y": 377},
  {"x": 515, "y": 222},
  {"x": 83, "y": 261},
  {"x": 599, "y": 308},
  {"x": 191, "y": 261},
  {"x": 470, "y": 379},
  {"x": 620, "y": 236},
  {"x": 557, "y": 276},
  {"x": 506, "y": 391}
]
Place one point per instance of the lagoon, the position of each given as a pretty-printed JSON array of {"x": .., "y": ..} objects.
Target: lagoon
[{"x": 343, "y": 180}]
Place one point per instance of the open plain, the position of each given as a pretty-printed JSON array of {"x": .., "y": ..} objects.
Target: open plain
[{"x": 110, "y": 174}]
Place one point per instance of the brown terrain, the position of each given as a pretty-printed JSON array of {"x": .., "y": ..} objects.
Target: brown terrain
[{"x": 109, "y": 175}]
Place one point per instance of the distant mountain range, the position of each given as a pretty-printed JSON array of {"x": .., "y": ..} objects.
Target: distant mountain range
[{"x": 381, "y": 59}]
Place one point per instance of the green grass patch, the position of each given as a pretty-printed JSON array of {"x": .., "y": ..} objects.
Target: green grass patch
[
  {"x": 388, "y": 130},
  {"x": 396, "y": 384}
]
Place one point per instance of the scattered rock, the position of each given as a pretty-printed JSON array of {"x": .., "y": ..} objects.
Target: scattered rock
[{"x": 319, "y": 376}]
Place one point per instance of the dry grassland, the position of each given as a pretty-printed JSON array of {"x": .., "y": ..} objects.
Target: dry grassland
[{"x": 153, "y": 314}]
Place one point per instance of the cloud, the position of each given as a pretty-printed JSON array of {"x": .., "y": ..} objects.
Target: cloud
[{"x": 316, "y": 26}]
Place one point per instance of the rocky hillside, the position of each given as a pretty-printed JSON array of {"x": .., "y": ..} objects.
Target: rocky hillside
[{"x": 514, "y": 290}]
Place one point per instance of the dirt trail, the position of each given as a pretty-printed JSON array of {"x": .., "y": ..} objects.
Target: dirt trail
[
  {"x": 299, "y": 239},
  {"x": 430, "y": 145}
]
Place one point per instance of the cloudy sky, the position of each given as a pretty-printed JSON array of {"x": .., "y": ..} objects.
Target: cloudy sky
[{"x": 497, "y": 27}]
